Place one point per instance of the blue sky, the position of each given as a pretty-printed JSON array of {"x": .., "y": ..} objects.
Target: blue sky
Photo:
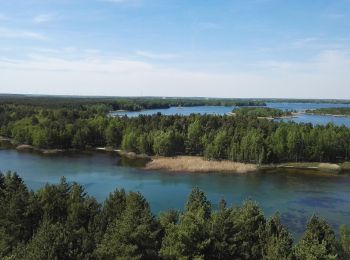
[{"x": 250, "y": 48}]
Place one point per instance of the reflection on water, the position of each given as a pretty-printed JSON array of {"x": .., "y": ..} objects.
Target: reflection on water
[{"x": 295, "y": 195}]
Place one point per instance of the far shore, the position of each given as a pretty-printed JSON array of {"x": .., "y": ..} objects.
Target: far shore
[{"x": 334, "y": 115}]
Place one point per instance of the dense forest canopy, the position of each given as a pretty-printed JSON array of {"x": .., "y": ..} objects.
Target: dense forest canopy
[
  {"x": 63, "y": 222},
  {"x": 241, "y": 138},
  {"x": 341, "y": 111}
]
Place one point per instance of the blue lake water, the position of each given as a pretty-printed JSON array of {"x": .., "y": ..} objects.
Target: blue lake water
[
  {"x": 220, "y": 110},
  {"x": 296, "y": 195}
]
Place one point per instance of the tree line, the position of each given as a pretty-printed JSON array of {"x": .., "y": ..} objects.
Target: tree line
[
  {"x": 121, "y": 103},
  {"x": 330, "y": 111},
  {"x": 238, "y": 138},
  {"x": 62, "y": 222}
]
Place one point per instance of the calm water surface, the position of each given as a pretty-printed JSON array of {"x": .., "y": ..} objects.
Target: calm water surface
[
  {"x": 295, "y": 195},
  {"x": 220, "y": 110}
]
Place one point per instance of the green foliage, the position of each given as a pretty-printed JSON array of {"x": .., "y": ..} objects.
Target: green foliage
[
  {"x": 16, "y": 219},
  {"x": 168, "y": 218},
  {"x": 339, "y": 111},
  {"x": 249, "y": 222},
  {"x": 318, "y": 242},
  {"x": 168, "y": 143},
  {"x": 136, "y": 235},
  {"x": 129, "y": 142},
  {"x": 279, "y": 242},
  {"x": 190, "y": 238},
  {"x": 194, "y": 143},
  {"x": 223, "y": 232},
  {"x": 218, "y": 148},
  {"x": 345, "y": 241},
  {"x": 114, "y": 133},
  {"x": 50, "y": 242},
  {"x": 261, "y": 112},
  {"x": 113, "y": 208}
]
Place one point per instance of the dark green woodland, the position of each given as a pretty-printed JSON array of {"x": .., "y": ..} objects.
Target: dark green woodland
[{"x": 74, "y": 124}]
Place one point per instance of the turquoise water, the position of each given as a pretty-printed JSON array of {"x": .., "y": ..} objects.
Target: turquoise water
[
  {"x": 295, "y": 195},
  {"x": 220, "y": 110}
]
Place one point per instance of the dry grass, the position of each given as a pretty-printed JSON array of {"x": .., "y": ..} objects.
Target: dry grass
[
  {"x": 196, "y": 164},
  {"x": 329, "y": 166}
]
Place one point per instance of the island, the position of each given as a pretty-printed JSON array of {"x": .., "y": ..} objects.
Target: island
[
  {"x": 262, "y": 112},
  {"x": 334, "y": 111}
]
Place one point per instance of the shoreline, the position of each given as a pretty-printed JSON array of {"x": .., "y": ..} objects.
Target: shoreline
[
  {"x": 191, "y": 164},
  {"x": 130, "y": 155}
]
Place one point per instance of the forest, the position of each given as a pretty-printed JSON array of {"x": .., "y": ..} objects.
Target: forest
[
  {"x": 340, "y": 111},
  {"x": 261, "y": 112},
  {"x": 107, "y": 104},
  {"x": 61, "y": 221},
  {"x": 236, "y": 138}
]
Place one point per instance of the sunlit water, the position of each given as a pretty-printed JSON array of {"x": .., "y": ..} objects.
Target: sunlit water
[
  {"x": 296, "y": 195},
  {"x": 220, "y": 110}
]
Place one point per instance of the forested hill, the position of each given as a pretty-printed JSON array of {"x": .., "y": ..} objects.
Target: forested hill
[{"x": 62, "y": 222}]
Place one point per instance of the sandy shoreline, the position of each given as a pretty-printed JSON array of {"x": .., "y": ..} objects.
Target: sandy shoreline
[{"x": 195, "y": 164}]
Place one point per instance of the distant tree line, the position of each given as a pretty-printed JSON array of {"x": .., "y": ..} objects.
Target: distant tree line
[
  {"x": 106, "y": 104},
  {"x": 62, "y": 222},
  {"x": 242, "y": 138},
  {"x": 330, "y": 111}
]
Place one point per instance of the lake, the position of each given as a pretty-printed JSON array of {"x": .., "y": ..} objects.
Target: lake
[
  {"x": 296, "y": 195},
  {"x": 221, "y": 110}
]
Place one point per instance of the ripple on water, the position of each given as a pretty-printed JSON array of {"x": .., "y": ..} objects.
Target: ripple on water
[{"x": 321, "y": 202}]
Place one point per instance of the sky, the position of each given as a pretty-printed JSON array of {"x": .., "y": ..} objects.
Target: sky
[{"x": 206, "y": 48}]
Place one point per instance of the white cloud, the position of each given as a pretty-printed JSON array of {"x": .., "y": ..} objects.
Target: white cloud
[
  {"x": 326, "y": 76},
  {"x": 156, "y": 56},
  {"x": 10, "y": 33},
  {"x": 43, "y": 18}
]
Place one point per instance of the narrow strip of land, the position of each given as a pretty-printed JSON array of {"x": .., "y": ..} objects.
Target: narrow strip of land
[
  {"x": 196, "y": 164},
  {"x": 334, "y": 111}
]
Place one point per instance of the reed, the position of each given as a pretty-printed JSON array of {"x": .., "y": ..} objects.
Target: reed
[{"x": 195, "y": 164}]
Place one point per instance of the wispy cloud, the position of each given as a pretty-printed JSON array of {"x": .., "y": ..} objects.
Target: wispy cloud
[
  {"x": 11, "y": 33},
  {"x": 43, "y": 18},
  {"x": 324, "y": 76},
  {"x": 156, "y": 56}
]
